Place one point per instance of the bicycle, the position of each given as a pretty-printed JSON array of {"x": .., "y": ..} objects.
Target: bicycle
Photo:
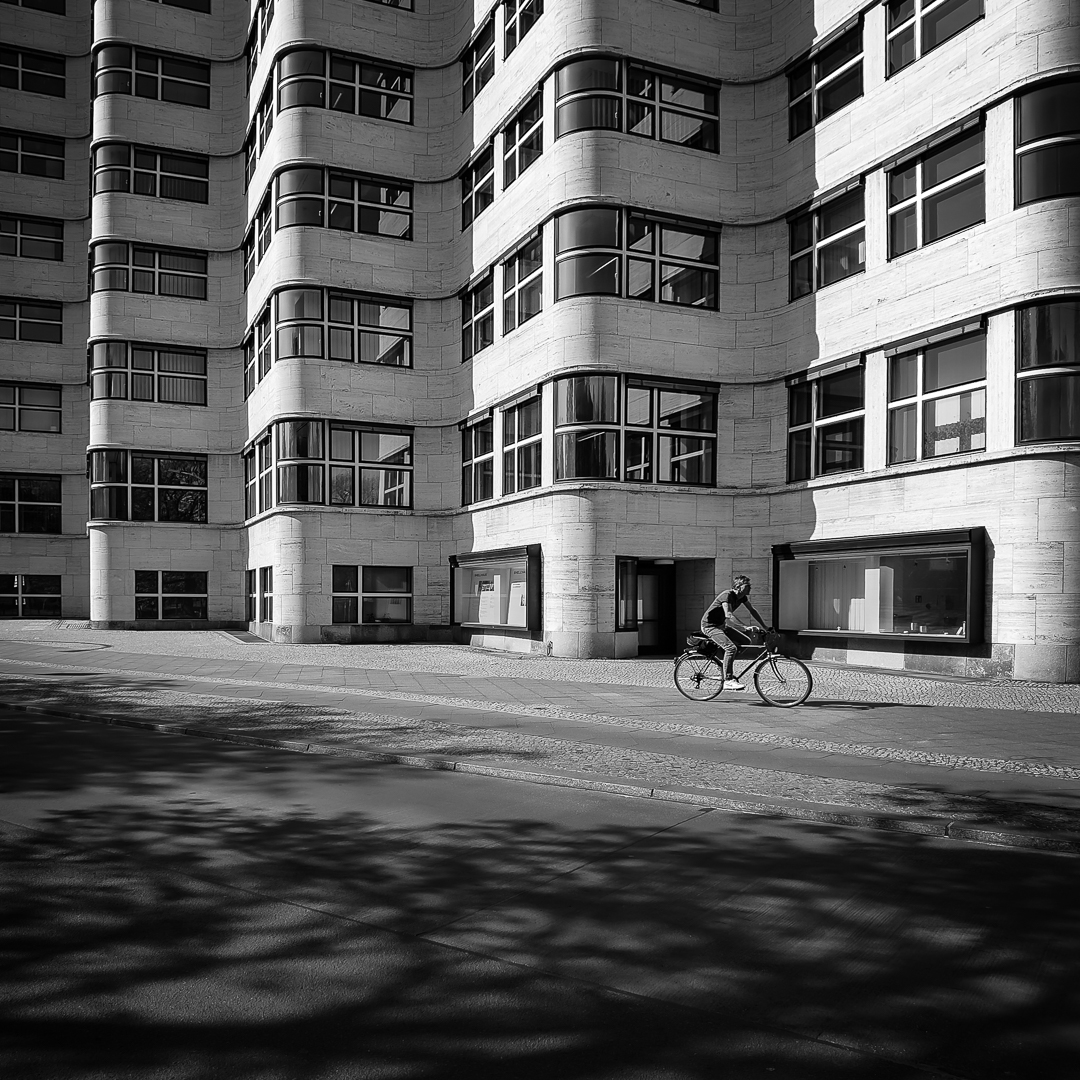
[{"x": 779, "y": 680}]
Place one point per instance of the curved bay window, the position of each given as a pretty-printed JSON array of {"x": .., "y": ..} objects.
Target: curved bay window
[
  {"x": 298, "y": 441},
  {"x": 129, "y": 485},
  {"x": 1048, "y": 142},
  {"x": 606, "y": 251},
  {"x": 590, "y": 452},
  {"x": 141, "y": 170},
  {"x": 1048, "y": 370},
  {"x": 350, "y": 327},
  {"x": 157, "y": 271},
  {"x": 602, "y": 93},
  {"x": 123, "y": 370},
  {"x": 351, "y": 203},
  {"x": 345, "y": 84}
]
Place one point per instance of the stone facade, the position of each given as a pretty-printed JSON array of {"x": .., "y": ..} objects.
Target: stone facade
[{"x": 688, "y": 539}]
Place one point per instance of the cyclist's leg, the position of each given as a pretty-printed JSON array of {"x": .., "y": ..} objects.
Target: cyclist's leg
[{"x": 733, "y": 641}]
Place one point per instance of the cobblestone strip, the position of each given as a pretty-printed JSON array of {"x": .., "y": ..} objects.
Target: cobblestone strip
[{"x": 790, "y": 742}]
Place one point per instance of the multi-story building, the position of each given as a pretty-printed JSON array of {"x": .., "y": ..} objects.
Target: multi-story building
[{"x": 527, "y": 324}]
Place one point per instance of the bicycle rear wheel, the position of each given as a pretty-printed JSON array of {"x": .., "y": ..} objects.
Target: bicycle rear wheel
[
  {"x": 783, "y": 681},
  {"x": 698, "y": 677}
]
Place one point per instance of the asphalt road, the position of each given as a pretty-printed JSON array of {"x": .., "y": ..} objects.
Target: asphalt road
[{"x": 176, "y": 908}]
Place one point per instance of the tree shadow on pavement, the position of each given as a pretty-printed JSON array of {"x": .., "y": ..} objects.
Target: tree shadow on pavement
[{"x": 173, "y": 939}]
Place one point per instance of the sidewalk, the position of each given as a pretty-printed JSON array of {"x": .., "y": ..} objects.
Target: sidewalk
[{"x": 991, "y": 762}]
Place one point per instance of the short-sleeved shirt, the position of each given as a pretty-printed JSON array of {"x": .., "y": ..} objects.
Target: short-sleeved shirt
[{"x": 714, "y": 613}]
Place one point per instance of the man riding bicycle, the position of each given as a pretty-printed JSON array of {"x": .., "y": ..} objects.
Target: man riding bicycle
[{"x": 720, "y": 625}]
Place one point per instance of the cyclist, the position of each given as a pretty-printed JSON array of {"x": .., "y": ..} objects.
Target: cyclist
[{"x": 722, "y": 627}]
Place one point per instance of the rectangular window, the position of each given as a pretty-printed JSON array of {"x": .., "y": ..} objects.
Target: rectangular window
[
  {"x": 615, "y": 95},
  {"x": 521, "y": 446},
  {"x": 370, "y": 466},
  {"x": 497, "y": 588},
  {"x": 605, "y": 251},
  {"x": 1048, "y": 369},
  {"x": 51, "y": 7},
  {"x": 264, "y": 462},
  {"x": 926, "y": 586},
  {"x": 519, "y": 17},
  {"x": 334, "y": 200},
  {"x": 349, "y": 327},
  {"x": 522, "y": 284},
  {"x": 169, "y": 375},
  {"x": 478, "y": 63},
  {"x": 827, "y": 243},
  {"x": 478, "y": 186},
  {"x": 826, "y": 82},
  {"x": 914, "y": 27},
  {"x": 371, "y": 594},
  {"x": 260, "y": 24},
  {"x": 32, "y": 238},
  {"x": 170, "y": 595},
  {"x": 251, "y": 602},
  {"x": 477, "y": 462},
  {"x": 31, "y": 155},
  {"x": 158, "y": 271},
  {"x": 937, "y": 400},
  {"x": 478, "y": 318},
  {"x": 825, "y": 424},
  {"x": 30, "y": 320},
  {"x": 133, "y": 485},
  {"x": 29, "y": 407},
  {"x": 266, "y": 594},
  {"x": 940, "y": 193},
  {"x": 321, "y": 80},
  {"x": 1048, "y": 142},
  {"x": 142, "y": 170},
  {"x": 30, "y": 596},
  {"x": 523, "y": 139},
  {"x": 120, "y": 69},
  {"x": 32, "y": 72},
  {"x": 30, "y": 504},
  {"x": 251, "y": 485}
]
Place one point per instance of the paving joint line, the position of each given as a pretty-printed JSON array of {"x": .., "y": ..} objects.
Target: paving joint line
[{"x": 945, "y": 830}]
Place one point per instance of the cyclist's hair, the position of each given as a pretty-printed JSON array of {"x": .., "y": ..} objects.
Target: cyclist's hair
[{"x": 739, "y": 580}]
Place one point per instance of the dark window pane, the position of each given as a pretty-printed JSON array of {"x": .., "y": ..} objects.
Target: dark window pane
[
  {"x": 841, "y": 213},
  {"x": 345, "y": 609},
  {"x": 178, "y": 505},
  {"x": 843, "y": 90},
  {"x": 947, "y": 20},
  {"x": 903, "y": 435},
  {"x": 586, "y": 454},
  {"x": 387, "y": 579},
  {"x": 146, "y": 581},
  {"x": 1050, "y": 408},
  {"x": 39, "y": 519},
  {"x": 903, "y": 231},
  {"x": 585, "y": 275},
  {"x": 799, "y": 455},
  {"x": 588, "y": 228},
  {"x": 955, "y": 362},
  {"x": 800, "y": 399},
  {"x": 1049, "y": 172},
  {"x": 903, "y": 376},
  {"x": 586, "y": 399},
  {"x": 183, "y": 607},
  {"x": 587, "y": 75},
  {"x": 182, "y": 472},
  {"x": 1050, "y": 334},
  {"x": 839, "y": 53},
  {"x": 146, "y": 607},
  {"x": 840, "y": 447},
  {"x": 183, "y": 581},
  {"x": 842, "y": 258},
  {"x": 901, "y": 50},
  {"x": 840, "y": 393},
  {"x": 955, "y": 209},
  {"x": 1049, "y": 110},
  {"x": 344, "y": 579},
  {"x": 952, "y": 160}
]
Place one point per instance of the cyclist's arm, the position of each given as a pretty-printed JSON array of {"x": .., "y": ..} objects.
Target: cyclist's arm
[{"x": 753, "y": 611}]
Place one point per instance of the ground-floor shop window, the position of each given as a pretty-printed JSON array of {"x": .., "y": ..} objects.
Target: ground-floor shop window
[
  {"x": 29, "y": 596},
  {"x": 497, "y": 588},
  {"x": 372, "y": 594},
  {"x": 924, "y": 586},
  {"x": 170, "y": 594}
]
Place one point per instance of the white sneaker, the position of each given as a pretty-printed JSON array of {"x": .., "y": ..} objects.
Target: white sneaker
[{"x": 733, "y": 684}]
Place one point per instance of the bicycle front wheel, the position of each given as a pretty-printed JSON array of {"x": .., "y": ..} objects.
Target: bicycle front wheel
[
  {"x": 698, "y": 677},
  {"x": 783, "y": 681}
]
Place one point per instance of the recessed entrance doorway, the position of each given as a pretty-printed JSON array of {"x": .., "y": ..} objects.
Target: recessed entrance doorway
[{"x": 662, "y": 599}]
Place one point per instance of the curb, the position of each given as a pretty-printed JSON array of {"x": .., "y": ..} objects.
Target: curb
[{"x": 941, "y": 830}]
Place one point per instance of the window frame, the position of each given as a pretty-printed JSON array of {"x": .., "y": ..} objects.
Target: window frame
[
  {"x": 478, "y": 62},
  {"x": 358, "y": 201},
  {"x": 136, "y": 173},
  {"x": 118, "y": 469},
  {"x": 346, "y": 602},
  {"x": 335, "y": 87},
  {"x": 22, "y": 592},
  {"x": 22, "y": 72},
  {"x": 916, "y": 23},
  {"x": 1065, "y": 372},
  {"x": 161, "y": 594},
  {"x": 140, "y": 75},
  {"x": 522, "y": 453},
  {"x": 821, "y": 244},
  {"x": 478, "y": 460},
  {"x": 1061, "y": 139},
  {"x": 105, "y": 365},
  {"x": 624, "y": 104},
  {"x": 919, "y": 398},
  {"x": 24, "y": 240},
  {"x": 19, "y": 153},
  {"x": 129, "y": 267},
  {"x": 817, "y": 446},
  {"x": 15, "y": 508},
  {"x": 266, "y": 594},
  {"x": 523, "y": 139},
  {"x": 523, "y": 284},
  {"x": 923, "y": 196},
  {"x": 807, "y": 81},
  {"x": 478, "y": 317},
  {"x": 478, "y": 185},
  {"x": 17, "y": 406},
  {"x": 519, "y": 15},
  {"x": 18, "y": 318}
]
